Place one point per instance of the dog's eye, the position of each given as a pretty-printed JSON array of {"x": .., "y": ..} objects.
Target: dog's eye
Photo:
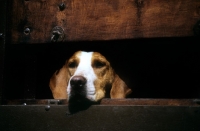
[
  {"x": 72, "y": 65},
  {"x": 98, "y": 64}
]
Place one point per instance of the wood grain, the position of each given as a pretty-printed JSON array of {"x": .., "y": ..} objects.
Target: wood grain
[{"x": 84, "y": 20}]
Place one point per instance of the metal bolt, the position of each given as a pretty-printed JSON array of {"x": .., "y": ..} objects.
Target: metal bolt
[
  {"x": 62, "y": 6},
  {"x": 27, "y": 31},
  {"x": 57, "y": 34},
  {"x": 47, "y": 108},
  {"x": 1, "y": 35},
  {"x": 139, "y": 3},
  {"x": 55, "y": 37}
]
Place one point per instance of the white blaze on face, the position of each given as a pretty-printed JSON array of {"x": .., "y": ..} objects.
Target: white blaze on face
[{"x": 85, "y": 69}]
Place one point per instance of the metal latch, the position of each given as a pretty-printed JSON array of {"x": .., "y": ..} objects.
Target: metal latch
[{"x": 57, "y": 34}]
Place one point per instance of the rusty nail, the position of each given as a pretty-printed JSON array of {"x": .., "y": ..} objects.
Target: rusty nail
[
  {"x": 27, "y": 31},
  {"x": 62, "y": 6}
]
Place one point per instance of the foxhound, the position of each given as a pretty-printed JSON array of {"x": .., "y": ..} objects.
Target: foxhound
[{"x": 87, "y": 75}]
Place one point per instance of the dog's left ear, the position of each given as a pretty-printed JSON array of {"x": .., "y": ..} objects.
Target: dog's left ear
[
  {"x": 58, "y": 83},
  {"x": 119, "y": 88}
]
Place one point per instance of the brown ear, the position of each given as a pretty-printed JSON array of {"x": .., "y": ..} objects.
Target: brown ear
[
  {"x": 58, "y": 83},
  {"x": 119, "y": 88}
]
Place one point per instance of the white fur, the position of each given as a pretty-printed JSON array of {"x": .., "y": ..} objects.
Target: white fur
[{"x": 85, "y": 69}]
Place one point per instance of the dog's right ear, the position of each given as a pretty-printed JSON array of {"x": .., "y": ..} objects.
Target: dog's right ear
[
  {"x": 58, "y": 83},
  {"x": 119, "y": 88}
]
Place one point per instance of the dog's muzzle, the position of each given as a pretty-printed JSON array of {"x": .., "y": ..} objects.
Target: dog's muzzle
[
  {"x": 78, "y": 100},
  {"x": 78, "y": 89}
]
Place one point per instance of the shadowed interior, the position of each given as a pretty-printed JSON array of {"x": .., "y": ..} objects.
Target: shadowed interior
[{"x": 153, "y": 68}]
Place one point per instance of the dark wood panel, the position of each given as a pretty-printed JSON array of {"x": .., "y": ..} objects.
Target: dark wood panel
[
  {"x": 99, "y": 118},
  {"x": 102, "y": 19}
]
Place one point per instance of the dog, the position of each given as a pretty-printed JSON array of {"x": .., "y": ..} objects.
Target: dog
[{"x": 87, "y": 76}]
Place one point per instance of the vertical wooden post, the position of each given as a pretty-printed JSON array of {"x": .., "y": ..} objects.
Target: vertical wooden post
[{"x": 2, "y": 44}]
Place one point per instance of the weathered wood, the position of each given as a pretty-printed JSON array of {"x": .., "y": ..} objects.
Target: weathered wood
[{"x": 103, "y": 19}]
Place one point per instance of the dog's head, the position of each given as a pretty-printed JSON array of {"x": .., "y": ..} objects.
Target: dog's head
[{"x": 87, "y": 75}]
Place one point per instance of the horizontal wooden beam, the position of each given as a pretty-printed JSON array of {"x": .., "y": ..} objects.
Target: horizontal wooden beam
[
  {"x": 32, "y": 21},
  {"x": 114, "y": 102},
  {"x": 100, "y": 118}
]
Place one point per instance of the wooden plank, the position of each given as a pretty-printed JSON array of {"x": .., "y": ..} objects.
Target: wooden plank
[
  {"x": 100, "y": 118},
  {"x": 2, "y": 45},
  {"x": 114, "y": 102},
  {"x": 102, "y": 19}
]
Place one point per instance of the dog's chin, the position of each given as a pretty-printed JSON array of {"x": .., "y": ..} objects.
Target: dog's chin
[{"x": 78, "y": 103}]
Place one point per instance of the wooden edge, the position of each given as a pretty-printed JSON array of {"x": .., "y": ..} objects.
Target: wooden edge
[
  {"x": 2, "y": 43},
  {"x": 114, "y": 102}
]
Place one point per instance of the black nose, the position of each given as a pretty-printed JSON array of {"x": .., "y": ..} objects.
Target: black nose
[{"x": 77, "y": 81}]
